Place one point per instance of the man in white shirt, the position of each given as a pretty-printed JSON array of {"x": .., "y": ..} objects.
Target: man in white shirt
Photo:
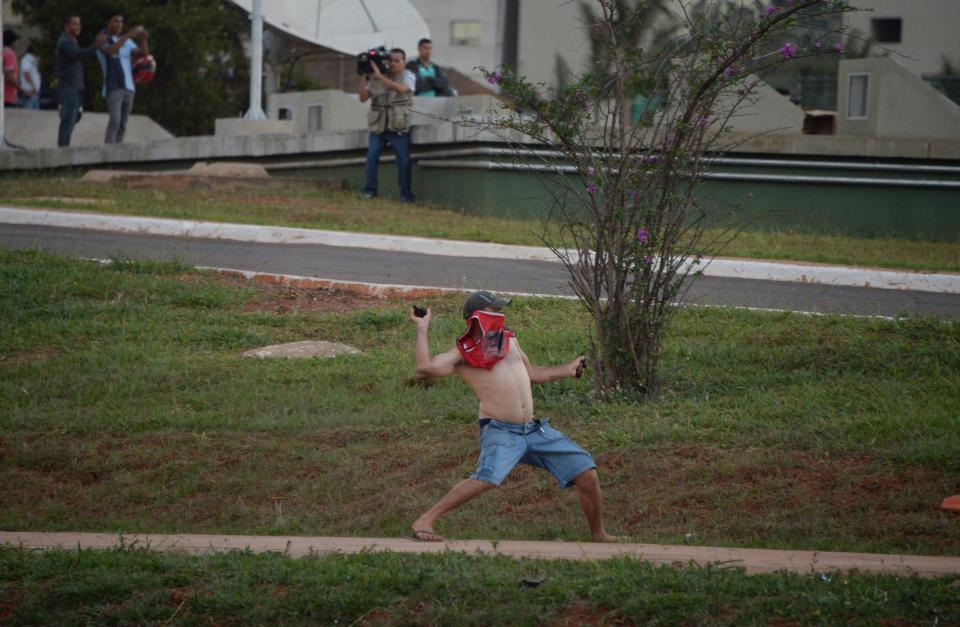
[
  {"x": 116, "y": 56},
  {"x": 30, "y": 79},
  {"x": 391, "y": 96}
]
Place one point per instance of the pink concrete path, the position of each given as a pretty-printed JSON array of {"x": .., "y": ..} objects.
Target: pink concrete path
[{"x": 753, "y": 560}]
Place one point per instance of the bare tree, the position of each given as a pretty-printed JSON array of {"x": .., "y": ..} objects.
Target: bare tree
[{"x": 625, "y": 221}]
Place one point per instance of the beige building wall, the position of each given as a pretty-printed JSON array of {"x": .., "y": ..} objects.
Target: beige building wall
[
  {"x": 930, "y": 30},
  {"x": 924, "y": 113},
  {"x": 549, "y": 28},
  {"x": 440, "y": 16}
]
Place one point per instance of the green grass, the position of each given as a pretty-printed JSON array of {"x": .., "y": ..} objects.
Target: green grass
[
  {"x": 136, "y": 586},
  {"x": 127, "y": 407},
  {"x": 299, "y": 204}
]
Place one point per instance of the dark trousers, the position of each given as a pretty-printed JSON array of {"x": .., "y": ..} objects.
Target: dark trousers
[
  {"x": 69, "y": 111},
  {"x": 400, "y": 142}
]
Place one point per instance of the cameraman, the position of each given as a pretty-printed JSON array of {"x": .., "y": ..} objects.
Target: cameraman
[{"x": 388, "y": 120}]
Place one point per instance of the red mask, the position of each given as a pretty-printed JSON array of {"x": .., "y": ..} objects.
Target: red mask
[{"x": 493, "y": 343}]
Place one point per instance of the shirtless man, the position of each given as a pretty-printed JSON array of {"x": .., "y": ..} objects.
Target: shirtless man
[{"x": 489, "y": 359}]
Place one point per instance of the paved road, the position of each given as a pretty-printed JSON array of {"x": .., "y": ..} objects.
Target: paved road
[{"x": 378, "y": 266}]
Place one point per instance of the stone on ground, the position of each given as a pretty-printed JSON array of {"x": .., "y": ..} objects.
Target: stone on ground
[
  {"x": 229, "y": 169},
  {"x": 302, "y": 350}
]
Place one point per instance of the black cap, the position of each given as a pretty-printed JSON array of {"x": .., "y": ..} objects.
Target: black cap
[{"x": 482, "y": 300}]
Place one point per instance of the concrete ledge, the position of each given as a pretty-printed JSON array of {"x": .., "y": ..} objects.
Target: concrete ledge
[
  {"x": 753, "y": 560},
  {"x": 281, "y": 145},
  {"x": 721, "y": 267}
]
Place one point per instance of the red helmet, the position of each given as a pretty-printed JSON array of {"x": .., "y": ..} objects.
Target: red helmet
[{"x": 144, "y": 69}]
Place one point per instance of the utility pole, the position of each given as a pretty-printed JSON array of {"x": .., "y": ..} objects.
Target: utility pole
[{"x": 255, "y": 112}]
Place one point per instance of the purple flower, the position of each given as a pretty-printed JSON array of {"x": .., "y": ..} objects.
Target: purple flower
[
  {"x": 585, "y": 104},
  {"x": 838, "y": 47},
  {"x": 634, "y": 193},
  {"x": 592, "y": 188},
  {"x": 643, "y": 236},
  {"x": 818, "y": 44},
  {"x": 770, "y": 10},
  {"x": 647, "y": 260},
  {"x": 730, "y": 71},
  {"x": 652, "y": 159},
  {"x": 788, "y": 51},
  {"x": 703, "y": 121},
  {"x": 494, "y": 78},
  {"x": 591, "y": 172}
]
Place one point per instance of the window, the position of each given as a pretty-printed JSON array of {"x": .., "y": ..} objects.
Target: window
[
  {"x": 465, "y": 33},
  {"x": 315, "y": 117},
  {"x": 858, "y": 96},
  {"x": 284, "y": 113},
  {"x": 887, "y": 30}
]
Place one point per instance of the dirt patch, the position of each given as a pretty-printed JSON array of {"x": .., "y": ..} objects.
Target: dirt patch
[
  {"x": 178, "y": 181},
  {"x": 280, "y": 299},
  {"x": 682, "y": 489},
  {"x": 12, "y": 598},
  {"x": 581, "y": 612},
  {"x": 26, "y": 357}
]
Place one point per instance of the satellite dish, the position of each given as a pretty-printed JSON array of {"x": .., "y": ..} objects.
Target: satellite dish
[{"x": 347, "y": 26}]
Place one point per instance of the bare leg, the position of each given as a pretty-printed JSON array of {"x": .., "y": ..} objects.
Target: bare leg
[
  {"x": 591, "y": 500},
  {"x": 459, "y": 494}
]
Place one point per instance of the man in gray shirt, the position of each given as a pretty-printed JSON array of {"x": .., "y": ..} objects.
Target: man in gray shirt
[{"x": 70, "y": 86}]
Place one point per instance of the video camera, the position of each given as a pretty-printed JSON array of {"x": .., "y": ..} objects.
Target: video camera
[{"x": 367, "y": 58}]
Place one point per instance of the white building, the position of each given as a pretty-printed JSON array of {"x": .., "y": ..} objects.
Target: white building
[
  {"x": 465, "y": 33},
  {"x": 919, "y": 34}
]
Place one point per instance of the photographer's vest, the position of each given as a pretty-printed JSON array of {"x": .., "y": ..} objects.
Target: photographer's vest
[{"x": 389, "y": 110}]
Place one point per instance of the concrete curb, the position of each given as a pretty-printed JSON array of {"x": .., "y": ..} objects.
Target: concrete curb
[
  {"x": 753, "y": 560},
  {"x": 719, "y": 267}
]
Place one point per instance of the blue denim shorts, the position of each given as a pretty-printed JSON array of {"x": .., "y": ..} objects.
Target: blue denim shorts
[{"x": 503, "y": 445}]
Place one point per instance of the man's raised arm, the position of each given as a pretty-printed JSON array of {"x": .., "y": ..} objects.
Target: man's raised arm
[
  {"x": 546, "y": 374},
  {"x": 440, "y": 366}
]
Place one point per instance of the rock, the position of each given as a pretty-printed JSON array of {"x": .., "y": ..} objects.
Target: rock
[
  {"x": 303, "y": 350},
  {"x": 229, "y": 169}
]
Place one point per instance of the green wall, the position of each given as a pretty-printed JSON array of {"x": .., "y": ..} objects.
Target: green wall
[{"x": 860, "y": 210}]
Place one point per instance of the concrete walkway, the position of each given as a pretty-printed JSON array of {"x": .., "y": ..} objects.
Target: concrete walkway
[{"x": 753, "y": 560}]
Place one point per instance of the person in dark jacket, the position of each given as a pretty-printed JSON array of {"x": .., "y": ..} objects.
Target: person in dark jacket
[
  {"x": 70, "y": 86},
  {"x": 431, "y": 81}
]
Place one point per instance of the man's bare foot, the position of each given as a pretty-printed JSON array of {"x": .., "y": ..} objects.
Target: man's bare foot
[
  {"x": 424, "y": 535},
  {"x": 606, "y": 537}
]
